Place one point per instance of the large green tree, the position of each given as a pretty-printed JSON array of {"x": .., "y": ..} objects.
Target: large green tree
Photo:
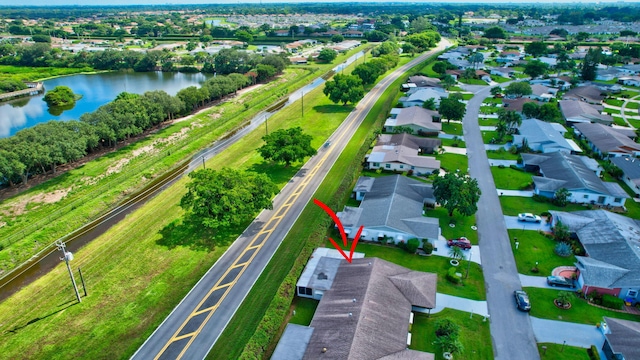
[
  {"x": 536, "y": 48},
  {"x": 327, "y": 55},
  {"x": 227, "y": 197},
  {"x": 60, "y": 96},
  {"x": 590, "y": 64},
  {"x": 344, "y": 88},
  {"x": 287, "y": 145},
  {"x": 452, "y": 108},
  {"x": 535, "y": 68},
  {"x": 456, "y": 191},
  {"x": 495, "y": 32},
  {"x": 518, "y": 89}
]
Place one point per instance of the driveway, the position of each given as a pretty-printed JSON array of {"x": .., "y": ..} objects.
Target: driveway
[
  {"x": 539, "y": 282},
  {"x": 557, "y": 332},
  {"x": 505, "y": 163},
  {"x": 511, "y": 331},
  {"x": 513, "y": 223},
  {"x": 462, "y": 304},
  {"x": 455, "y": 150},
  {"x": 440, "y": 248},
  {"x": 522, "y": 193}
]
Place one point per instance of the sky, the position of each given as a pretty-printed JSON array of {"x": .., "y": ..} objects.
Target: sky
[{"x": 186, "y": 2}]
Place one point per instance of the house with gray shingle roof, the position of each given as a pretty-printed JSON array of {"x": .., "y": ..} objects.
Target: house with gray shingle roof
[
  {"x": 392, "y": 208},
  {"x": 621, "y": 339},
  {"x": 541, "y": 136},
  {"x": 608, "y": 141},
  {"x": 559, "y": 170},
  {"x": 417, "y": 96},
  {"x": 419, "y": 119},
  {"x": 612, "y": 245},
  {"x": 365, "y": 315},
  {"x": 402, "y": 152},
  {"x": 575, "y": 111},
  {"x": 630, "y": 167},
  {"x": 588, "y": 93}
]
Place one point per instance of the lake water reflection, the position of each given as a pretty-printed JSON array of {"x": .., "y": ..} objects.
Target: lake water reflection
[{"x": 96, "y": 90}]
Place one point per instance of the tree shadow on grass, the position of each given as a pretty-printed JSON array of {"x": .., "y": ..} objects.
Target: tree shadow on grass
[
  {"x": 278, "y": 173},
  {"x": 66, "y": 305},
  {"x": 189, "y": 232},
  {"x": 333, "y": 109}
]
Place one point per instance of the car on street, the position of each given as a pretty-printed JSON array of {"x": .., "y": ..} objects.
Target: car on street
[
  {"x": 461, "y": 242},
  {"x": 522, "y": 300},
  {"x": 559, "y": 281},
  {"x": 529, "y": 217}
]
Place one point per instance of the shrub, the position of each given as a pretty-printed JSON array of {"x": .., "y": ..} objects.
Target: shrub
[
  {"x": 593, "y": 353},
  {"x": 446, "y": 327},
  {"x": 449, "y": 344},
  {"x": 453, "y": 277},
  {"x": 427, "y": 246},
  {"x": 612, "y": 302},
  {"x": 412, "y": 245},
  {"x": 563, "y": 249}
]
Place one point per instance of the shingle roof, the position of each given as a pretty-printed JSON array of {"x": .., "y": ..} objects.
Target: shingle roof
[
  {"x": 422, "y": 81},
  {"x": 396, "y": 202},
  {"x": 607, "y": 139},
  {"x": 630, "y": 166},
  {"x": 543, "y": 133},
  {"x": 412, "y": 141},
  {"x": 562, "y": 170},
  {"x": 575, "y": 110},
  {"x": 373, "y": 326},
  {"x": 589, "y": 92},
  {"x": 612, "y": 242},
  {"x": 416, "y": 115},
  {"x": 424, "y": 94},
  {"x": 404, "y": 148},
  {"x": 624, "y": 337}
]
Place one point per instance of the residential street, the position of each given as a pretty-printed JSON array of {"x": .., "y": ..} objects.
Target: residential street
[{"x": 511, "y": 330}]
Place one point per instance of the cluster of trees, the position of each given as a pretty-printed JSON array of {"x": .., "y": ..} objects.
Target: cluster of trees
[
  {"x": 424, "y": 40},
  {"x": 545, "y": 112},
  {"x": 60, "y": 96},
  {"x": 48, "y": 145},
  {"x": 457, "y": 191},
  {"x": 508, "y": 121},
  {"x": 9, "y": 85}
]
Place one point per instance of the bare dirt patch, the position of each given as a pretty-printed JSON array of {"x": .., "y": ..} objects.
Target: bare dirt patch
[{"x": 19, "y": 207}]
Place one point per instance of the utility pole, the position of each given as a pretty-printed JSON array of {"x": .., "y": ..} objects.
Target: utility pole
[
  {"x": 203, "y": 166},
  {"x": 68, "y": 256}
]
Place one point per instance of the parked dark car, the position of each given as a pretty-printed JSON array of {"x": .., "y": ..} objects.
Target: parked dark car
[
  {"x": 559, "y": 281},
  {"x": 522, "y": 300},
  {"x": 461, "y": 242}
]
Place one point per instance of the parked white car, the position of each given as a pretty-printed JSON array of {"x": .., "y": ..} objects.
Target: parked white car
[{"x": 528, "y": 217}]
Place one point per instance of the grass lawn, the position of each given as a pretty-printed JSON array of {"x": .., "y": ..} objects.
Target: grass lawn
[
  {"x": 453, "y": 162},
  {"x": 455, "y": 88},
  {"x": 467, "y": 96},
  {"x": 474, "y": 334},
  {"x": 614, "y": 102},
  {"x": 489, "y": 109},
  {"x": 499, "y": 79},
  {"x": 26, "y": 73},
  {"x": 559, "y": 352},
  {"x": 520, "y": 75},
  {"x": 581, "y": 311},
  {"x": 632, "y": 105},
  {"x": 511, "y": 179},
  {"x": 452, "y": 128},
  {"x": 611, "y": 111},
  {"x": 535, "y": 247},
  {"x": 634, "y": 123},
  {"x": 454, "y": 143},
  {"x": 472, "y": 81},
  {"x": 501, "y": 154},
  {"x": 487, "y": 136},
  {"x": 619, "y": 121},
  {"x": 462, "y": 228},
  {"x": 428, "y": 70},
  {"x": 492, "y": 100},
  {"x": 513, "y": 205},
  {"x": 487, "y": 121},
  {"x": 472, "y": 288},
  {"x": 304, "y": 308},
  {"x": 632, "y": 113}
]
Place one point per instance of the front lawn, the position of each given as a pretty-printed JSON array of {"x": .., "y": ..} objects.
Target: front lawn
[
  {"x": 483, "y": 121},
  {"x": 499, "y": 79},
  {"x": 513, "y": 205},
  {"x": 581, "y": 311},
  {"x": 489, "y": 109},
  {"x": 560, "y": 352},
  {"x": 511, "y": 179},
  {"x": 501, "y": 154},
  {"x": 453, "y": 143},
  {"x": 619, "y": 121},
  {"x": 474, "y": 334},
  {"x": 492, "y": 100},
  {"x": 614, "y": 102},
  {"x": 462, "y": 224},
  {"x": 452, "y": 128},
  {"x": 489, "y": 136},
  {"x": 632, "y": 105},
  {"x": 535, "y": 247},
  {"x": 472, "y": 287},
  {"x": 453, "y": 162},
  {"x": 472, "y": 81}
]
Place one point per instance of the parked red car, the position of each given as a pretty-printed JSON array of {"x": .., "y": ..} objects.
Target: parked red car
[{"x": 461, "y": 242}]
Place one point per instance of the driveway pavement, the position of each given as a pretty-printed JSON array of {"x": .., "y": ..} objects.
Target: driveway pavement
[
  {"x": 462, "y": 304},
  {"x": 440, "y": 248},
  {"x": 505, "y": 163},
  {"x": 455, "y": 150},
  {"x": 450, "y": 136},
  {"x": 513, "y": 223},
  {"x": 557, "y": 332},
  {"x": 522, "y": 193}
]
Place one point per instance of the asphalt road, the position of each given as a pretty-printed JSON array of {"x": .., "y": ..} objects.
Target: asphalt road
[
  {"x": 193, "y": 327},
  {"x": 511, "y": 330}
]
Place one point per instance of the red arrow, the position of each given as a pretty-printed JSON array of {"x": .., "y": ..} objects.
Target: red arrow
[{"x": 335, "y": 218}]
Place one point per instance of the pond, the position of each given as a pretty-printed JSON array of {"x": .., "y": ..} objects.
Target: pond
[{"x": 95, "y": 89}]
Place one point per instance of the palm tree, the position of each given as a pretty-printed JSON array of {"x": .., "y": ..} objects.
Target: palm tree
[
  {"x": 564, "y": 298},
  {"x": 456, "y": 253}
]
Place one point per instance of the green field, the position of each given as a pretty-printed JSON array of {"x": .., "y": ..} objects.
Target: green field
[{"x": 24, "y": 73}]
